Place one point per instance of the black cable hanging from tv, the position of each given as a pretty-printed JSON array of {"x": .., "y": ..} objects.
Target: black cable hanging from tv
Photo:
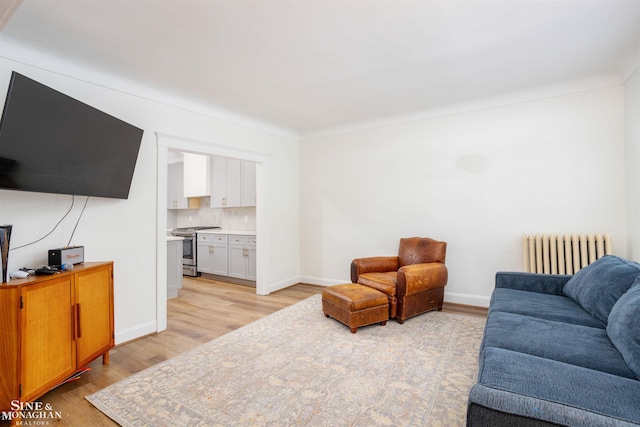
[
  {"x": 73, "y": 201},
  {"x": 78, "y": 221}
]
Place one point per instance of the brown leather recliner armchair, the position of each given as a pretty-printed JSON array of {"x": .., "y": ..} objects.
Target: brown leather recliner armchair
[{"x": 414, "y": 280}]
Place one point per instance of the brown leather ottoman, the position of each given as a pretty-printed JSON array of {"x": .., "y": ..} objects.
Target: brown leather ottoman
[{"x": 355, "y": 305}]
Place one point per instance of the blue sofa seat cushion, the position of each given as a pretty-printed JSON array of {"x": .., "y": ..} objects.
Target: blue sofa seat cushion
[
  {"x": 552, "y": 391},
  {"x": 543, "y": 306},
  {"x": 598, "y": 286},
  {"x": 573, "y": 344},
  {"x": 624, "y": 327}
]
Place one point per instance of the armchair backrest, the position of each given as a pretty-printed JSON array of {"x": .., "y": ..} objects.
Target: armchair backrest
[{"x": 419, "y": 250}]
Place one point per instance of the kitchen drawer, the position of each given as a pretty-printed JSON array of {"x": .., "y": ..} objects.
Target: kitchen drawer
[
  {"x": 237, "y": 239},
  {"x": 213, "y": 238}
]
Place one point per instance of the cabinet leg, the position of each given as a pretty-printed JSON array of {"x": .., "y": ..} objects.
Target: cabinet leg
[{"x": 105, "y": 358}]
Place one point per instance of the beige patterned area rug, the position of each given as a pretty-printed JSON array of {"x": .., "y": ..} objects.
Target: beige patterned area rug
[{"x": 296, "y": 367}]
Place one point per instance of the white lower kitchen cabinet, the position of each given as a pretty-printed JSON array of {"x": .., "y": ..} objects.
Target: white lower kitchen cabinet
[
  {"x": 251, "y": 263},
  {"x": 174, "y": 267},
  {"x": 213, "y": 253},
  {"x": 242, "y": 257}
]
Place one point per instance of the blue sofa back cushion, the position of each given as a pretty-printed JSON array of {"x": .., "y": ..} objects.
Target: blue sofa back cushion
[
  {"x": 624, "y": 327},
  {"x": 598, "y": 286}
]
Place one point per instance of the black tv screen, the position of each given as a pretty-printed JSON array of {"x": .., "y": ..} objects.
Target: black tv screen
[{"x": 52, "y": 143}]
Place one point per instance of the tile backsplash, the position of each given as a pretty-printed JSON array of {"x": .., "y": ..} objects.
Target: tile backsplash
[{"x": 240, "y": 219}]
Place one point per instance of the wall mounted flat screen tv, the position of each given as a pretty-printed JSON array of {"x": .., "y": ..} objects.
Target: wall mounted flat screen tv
[{"x": 52, "y": 143}]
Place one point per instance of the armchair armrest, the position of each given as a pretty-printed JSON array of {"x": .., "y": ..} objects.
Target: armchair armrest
[
  {"x": 421, "y": 277},
  {"x": 378, "y": 264}
]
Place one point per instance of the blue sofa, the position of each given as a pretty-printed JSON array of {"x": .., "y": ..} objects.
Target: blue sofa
[{"x": 561, "y": 350}]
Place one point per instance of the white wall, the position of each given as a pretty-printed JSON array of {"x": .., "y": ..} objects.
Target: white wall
[
  {"x": 125, "y": 231},
  {"x": 477, "y": 180},
  {"x": 632, "y": 157}
]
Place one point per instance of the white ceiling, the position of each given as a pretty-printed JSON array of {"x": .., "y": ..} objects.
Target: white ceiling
[{"x": 310, "y": 66}]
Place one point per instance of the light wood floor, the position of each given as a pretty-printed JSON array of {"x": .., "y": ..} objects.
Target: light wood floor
[{"x": 204, "y": 310}]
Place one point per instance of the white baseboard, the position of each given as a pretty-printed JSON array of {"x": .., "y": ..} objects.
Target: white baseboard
[
  {"x": 283, "y": 284},
  {"x": 475, "y": 300},
  {"x": 135, "y": 332},
  {"x": 320, "y": 281}
]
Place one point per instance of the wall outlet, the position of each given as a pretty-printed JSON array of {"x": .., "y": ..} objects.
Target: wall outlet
[{"x": 246, "y": 218}]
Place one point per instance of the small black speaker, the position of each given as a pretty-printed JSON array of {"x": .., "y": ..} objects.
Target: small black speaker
[{"x": 71, "y": 255}]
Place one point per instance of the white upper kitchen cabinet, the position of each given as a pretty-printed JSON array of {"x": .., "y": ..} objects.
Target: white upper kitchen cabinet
[
  {"x": 248, "y": 183},
  {"x": 196, "y": 175},
  {"x": 175, "y": 187},
  {"x": 233, "y": 183},
  {"x": 226, "y": 182}
]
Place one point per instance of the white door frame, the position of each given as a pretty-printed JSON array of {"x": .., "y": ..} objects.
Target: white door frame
[{"x": 166, "y": 142}]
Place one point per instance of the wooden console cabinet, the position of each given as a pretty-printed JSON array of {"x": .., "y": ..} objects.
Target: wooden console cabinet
[{"x": 51, "y": 327}]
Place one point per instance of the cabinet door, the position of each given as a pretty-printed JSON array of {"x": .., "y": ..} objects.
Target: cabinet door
[
  {"x": 248, "y": 183},
  {"x": 242, "y": 257},
  {"x": 174, "y": 268},
  {"x": 218, "y": 185},
  {"x": 205, "y": 257},
  {"x": 48, "y": 350},
  {"x": 251, "y": 263},
  {"x": 9, "y": 345},
  {"x": 234, "y": 183},
  {"x": 175, "y": 187},
  {"x": 94, "y": 314},
  {"x": 220, "y": 259},
  {"x": 237, "y": 261}
]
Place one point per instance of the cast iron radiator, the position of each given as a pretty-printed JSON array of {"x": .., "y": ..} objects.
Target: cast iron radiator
[{"x": 562, "y": 253}]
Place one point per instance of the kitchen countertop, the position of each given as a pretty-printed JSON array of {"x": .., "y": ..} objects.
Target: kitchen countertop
[
  {"x": 223, "y": 231},
  {"x": 172, "y": 238}
]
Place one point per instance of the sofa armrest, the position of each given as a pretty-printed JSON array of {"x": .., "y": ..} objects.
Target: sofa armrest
[
  {"x": 416, "y": 278},
  {"x": 380, "y": 264},
  {"x": 533, "y": 388},
  {"x": 532, "y": 282}
]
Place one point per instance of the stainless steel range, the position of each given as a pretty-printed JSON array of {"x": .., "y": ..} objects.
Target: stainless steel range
[{"x": 189, "y": 248}]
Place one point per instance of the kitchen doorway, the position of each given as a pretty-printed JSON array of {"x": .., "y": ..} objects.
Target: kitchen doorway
[{"x": 165, "y": 143}]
